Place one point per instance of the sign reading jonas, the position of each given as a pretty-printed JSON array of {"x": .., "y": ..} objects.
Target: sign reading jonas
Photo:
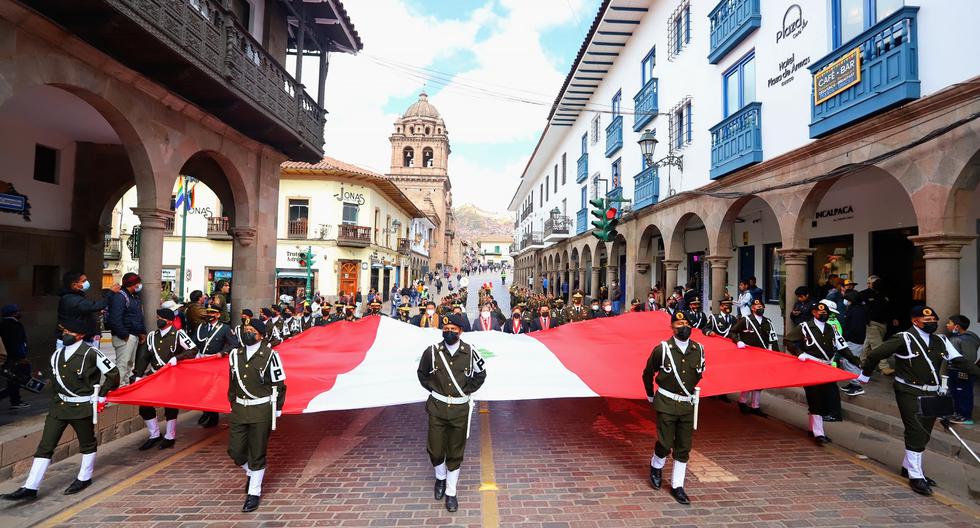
[{"x": 837, "y": 76}]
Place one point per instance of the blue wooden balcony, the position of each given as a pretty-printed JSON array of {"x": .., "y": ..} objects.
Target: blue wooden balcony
[
  {"x": 889, "y": 74},
  {"x": 731, "y": 22},
  {"x": 612, "y": 196},
  {"x": 645, "y": 105},
  {"x": 581, "y": 221},
  {"x": 646, "y": 188},
  {"x": 582, "y": 171},
  {"x": 737, "y": 141},
  {"x": 614, "y": 136}
]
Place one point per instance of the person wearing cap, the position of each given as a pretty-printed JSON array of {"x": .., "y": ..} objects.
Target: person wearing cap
[
  {"x": 276, "y": 332},
  {"x": 246, "y": 316},
  {"x": 458, "y": 310},
  {"x": 695, "y": 316},
  {"x": 544, "y": 320},
  {"x": 326, "y": 316},
  {"x": 677, "y": 365},
  {"x": 404, "y": 313},
  {"x": 516, "y": 324},
  {"x": 428, "y": 318},
  {"x": 817, "y": 340},
  {"x": 308, "y": 320},
  {"x": 374, "y": 308},
  {"x": 350, "y": 312},
  {"x": 451, "y": 371},
  {"x": 77, "y": 368},
  {"x": 486, "y": 321},
  {"x": 754, "y": 330},
  {"x": 254, "y": 369},
  {"x": 125, "y": 321},
  {"x": 802, "y": 306},
  {"x": 921, "y": 354},
  {"x": 212, "y": 337},
  {"x": 723, "y": 322},
  {"x": 164, "y": 346}
]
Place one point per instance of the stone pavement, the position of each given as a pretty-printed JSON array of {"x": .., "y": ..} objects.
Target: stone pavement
[{"x": 553, "y": 463}]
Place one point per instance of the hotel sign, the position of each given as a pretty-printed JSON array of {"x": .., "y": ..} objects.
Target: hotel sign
[{"x": 837, "y": 76}]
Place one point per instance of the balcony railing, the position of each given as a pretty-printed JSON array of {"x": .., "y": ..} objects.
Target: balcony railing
[
  {"x": 582, "y": 170},
  {"x": 732, "y": 21},
  {"x": 557, "y": 226},
  {"x": 353, "y": 235},
  {"x": 736, "y": 141},
  {"x": 614, "y": 136},
  {"x": 581, "y": 221},
  {"x": 888, "y": 74},
  {"x": 298, "y": 228},
  {"x": 646, "y": 188},
  {"x": 645, "y": 104},
  {"x": 404, "y": 246},
  {"x": 218, "y": 228},
  {"x": 112, "y": 249},
  {"x": 611, "y": 197},
  {"x": 531, "y": 239}
]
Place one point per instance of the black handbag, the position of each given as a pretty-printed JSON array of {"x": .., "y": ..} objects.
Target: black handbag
[{"x": 935, "y": 406}]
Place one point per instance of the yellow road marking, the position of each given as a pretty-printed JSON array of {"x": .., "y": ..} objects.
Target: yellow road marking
[
  {"x": 71, "y": 511},
  {"x": 488, "y": 475}
]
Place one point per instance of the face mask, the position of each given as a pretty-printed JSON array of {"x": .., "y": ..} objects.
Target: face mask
[
  {"x": 595, "y": 307},
  {"x": 86, "y": 285},
  {"x": 823, "y": 318},
  {"x": 682, "y": 332},
  {"x": 930, "y": 327},
  {"x": 139, "y": 288},
  {"x": 846, "y": 302},
  {"x": 545, "y": 314},
  {"x": 68, "y": 339},
  {"x": 516, "y": 315},
  {"x": 760, "y": 311},
  {"x": 607, "y": 308},
  {"x": 485, "y": 313},
  {"x": 430, "y": 312},
  {"x": 650, "y": 299},
  {"x": 249, "y": 338},
  {"x": 450, "y": 337},
  {"x": 161, "y": 323},
  {"x": 954, "y": 332}
]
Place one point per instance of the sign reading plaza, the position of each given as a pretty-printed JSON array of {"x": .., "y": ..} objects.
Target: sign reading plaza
[{"x": 837, "y": 76}]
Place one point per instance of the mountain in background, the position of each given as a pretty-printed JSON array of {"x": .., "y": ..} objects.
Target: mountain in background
[{"x": 473, "y": 223}]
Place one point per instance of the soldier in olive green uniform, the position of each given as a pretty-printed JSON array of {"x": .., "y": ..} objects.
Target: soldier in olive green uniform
[
  {"x": 695, "y": 316},
  {"x": 577, "y": 311},
  {"x": 559, "y": 312},
  {"x": 77, "y": 369},
  {"x": 275, "y": 324},
  {"x": 817, "y": 340},
  {"x": 404, "y": 313},
  {"x": 451, "y": 371},
  {"x": 257, "y": 391},
  {"x": 678, "y": 365},
  {"x": 919, "y": 356},
  {"x": 754, "y": 330},
  {"x": 721, "y": 323},
  {"x": 164, "y": 346}
]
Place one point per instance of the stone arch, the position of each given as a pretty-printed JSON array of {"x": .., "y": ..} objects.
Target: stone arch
[
  {"x": 957, "y": 206},
  {"x": 648, "y": 269},
  {"x": 725, "y": 240},
  {"x": 676, "y": 246},
  {"x": 220, "y": 174},
  {"x": 408, "y": 157},
  {"x": 428, "y": 156}
]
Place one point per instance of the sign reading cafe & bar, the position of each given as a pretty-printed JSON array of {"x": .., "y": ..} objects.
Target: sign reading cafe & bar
[{"x": 837, "y": 76}]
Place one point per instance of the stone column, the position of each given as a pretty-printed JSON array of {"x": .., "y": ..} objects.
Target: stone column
[
  {"x": 795, "y": 260},
  {"x": 248, "y": 284},
  {"x": 581, "y": 278},
  {"x": 719, "y": 279},
  {"x": 152, "y": 224},
  {"x": 942, "y": 255},
  {"x": 671, "y": 267},
  {"x": 594, "y": 291}
]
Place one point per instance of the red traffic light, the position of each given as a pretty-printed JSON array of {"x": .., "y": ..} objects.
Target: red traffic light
[
  {"x": 302, "y": 263},
  {"x": 611, "y": 213}
]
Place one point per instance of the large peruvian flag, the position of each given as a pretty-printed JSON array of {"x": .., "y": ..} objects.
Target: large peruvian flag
[{"x": 372, "y": 363}]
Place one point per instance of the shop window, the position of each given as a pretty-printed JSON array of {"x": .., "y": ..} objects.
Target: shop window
[
  {"x": 45, "y": 280},
  {"x": 774, "y": 285},
  {"x": 45, "y": 164},
  {"x": 832, "y": 256}
]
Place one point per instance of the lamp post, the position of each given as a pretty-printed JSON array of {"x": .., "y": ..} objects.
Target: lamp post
[{"x": 648, "y": 143}]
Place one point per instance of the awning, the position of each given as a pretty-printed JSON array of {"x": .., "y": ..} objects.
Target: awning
[{"x": 292, "y": 274}]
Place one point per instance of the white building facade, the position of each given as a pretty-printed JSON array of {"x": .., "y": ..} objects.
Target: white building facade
[{"x": 790, "y": 147}]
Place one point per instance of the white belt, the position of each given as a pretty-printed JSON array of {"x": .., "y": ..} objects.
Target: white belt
[
  {"x": 450, "y": 399},
  {"x": 676, "y": 397},
  {"x": 75, "y": 399},
  {"x": 926, "y": 388},
  {"x": 250, "y": 402}
]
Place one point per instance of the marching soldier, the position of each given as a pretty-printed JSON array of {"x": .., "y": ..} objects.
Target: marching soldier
[
  {"x": 560, "y": 312},
  {"x": 486, "y": 321},
  {"x": 458, "y": 310},
  {"x": 755, "y": 330},
  {"x": 212, "y": 337},
  {"x": 350, "y": 313},
  {"x": 404, "y": 313},
  {"x": 375, "y": 309},
  {"x": 516, "y": 324},
  {"x": 721, "y": 323},
  {"x": 308, "y": 320},
  {"x": 577, "y": 311},
  {"x": 77, "y": 369},
  {"x": 326, "y": 317},
  {"x": 164, "y": 346},
  {"x": 817, "y": 340},
  {"x": 544, "y": 321},
  {"x": 294, "y": 321},
  {"x": 275, "y": 325},
  {"x": 678, "y": 365},
  {"x": 247, "y": 316},
  {"x": 919, "y": 355},
  {"x": 428, "y": 318},
  {"x": 694, "y": 314},
  {"x": 257, "y": 392},
  {"x": 338, "y": 314},
  {"x": 451, "y": 371}
]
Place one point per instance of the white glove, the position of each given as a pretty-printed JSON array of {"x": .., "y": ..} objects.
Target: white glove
[
  {"x": 278, "y": 414},
  {"x": 803, "y": 357},
  {"x": 100, "y": 399},
  {"x": 172, "y": 361},
  {"x": 740, "y": 344},
  {"x": 650, "y": 399},
  {"x": 137, "y": 378},
  {"x": 863, "y": 379}
]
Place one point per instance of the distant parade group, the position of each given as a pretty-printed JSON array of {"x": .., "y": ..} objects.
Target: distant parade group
[{"x": 451, "y": 371}]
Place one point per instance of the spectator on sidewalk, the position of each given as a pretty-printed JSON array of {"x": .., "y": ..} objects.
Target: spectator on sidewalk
[
  {"x": 14, "y": 340},
  {"x": 755, "y": 290},
  {"x": 802, "y": 306},
  {"x": 219, "y": 300},
  {"x": 616, "y": 297},
  {"x": 564, "y": 291},
  {"x": 74, "y": 307},
  {"x": 961, "y": 383},
  {"x": 879, "y": 315},
  {"x": 126, "y": 324},
  {"x": 194, "y": 310},
  {"x": 744, "y": 300},
  {"x": 855, "y": 324}
]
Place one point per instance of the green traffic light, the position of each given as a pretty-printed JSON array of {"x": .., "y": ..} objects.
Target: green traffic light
[{"x": 598, "y": 203}]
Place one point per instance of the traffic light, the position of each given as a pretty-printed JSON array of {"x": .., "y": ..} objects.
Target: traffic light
[
  {"x": 605, "y": 226},
  {"x": 302, "y": 260},
  {"x": 611, "y": 223}
]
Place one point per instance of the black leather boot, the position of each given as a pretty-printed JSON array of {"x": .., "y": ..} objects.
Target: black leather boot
[
  {"x": 439, "y": 490},
  {"x": 23, "y": 494},
  {"x": 167, "y": 443},
  {"x": 656, "y": 477},
  {"x": 679, "y": 495},
  {"x": 451, "y": 503},
  {"x": 150, "y": 443},
  {"x": 77, "y": 486},
  {"x": 251, "y": 503}
]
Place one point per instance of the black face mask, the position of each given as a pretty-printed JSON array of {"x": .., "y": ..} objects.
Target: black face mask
[
  {"x": 760, "y": 311},
  {"x": 823, "y": 318},
  {"x": 68, "y": 339},
  {"x": 517, "y": 315},
  {"x": 545, "y": 314},
  {"x": 930, "y": 328},
  {"x": 250, "y": 338},
  {"x": 450, "y": 337},
  {"x": 161, "y": 324},
  {"x": 682, "y": 332}
]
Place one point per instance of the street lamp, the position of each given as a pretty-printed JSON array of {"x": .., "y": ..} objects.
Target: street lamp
[{"x": 648, "y": 143}]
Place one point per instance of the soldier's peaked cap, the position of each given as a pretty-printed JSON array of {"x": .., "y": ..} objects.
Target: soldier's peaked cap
[
  {"x": 268, "y": 312},
  {"x": 165, "y": 313},
  {"x": 258, "y": 325},
  {"x": 679, "y": 317},
  {"x": 454, "y": 319},
  {"x": 757, "y": 302},
  {"x": 727, "y": 300},
  {"x": 923, "y": 311}
]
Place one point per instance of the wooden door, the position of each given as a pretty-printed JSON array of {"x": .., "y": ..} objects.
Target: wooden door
[{"x": 348, "y": 280}]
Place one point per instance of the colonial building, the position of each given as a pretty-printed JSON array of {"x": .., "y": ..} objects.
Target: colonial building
[
  {"x": 102, "y": 95},
  {"x": 493, "y": 250},
  {"x": 420, "y": 167},
  {"x": 795, "y": 140}
]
